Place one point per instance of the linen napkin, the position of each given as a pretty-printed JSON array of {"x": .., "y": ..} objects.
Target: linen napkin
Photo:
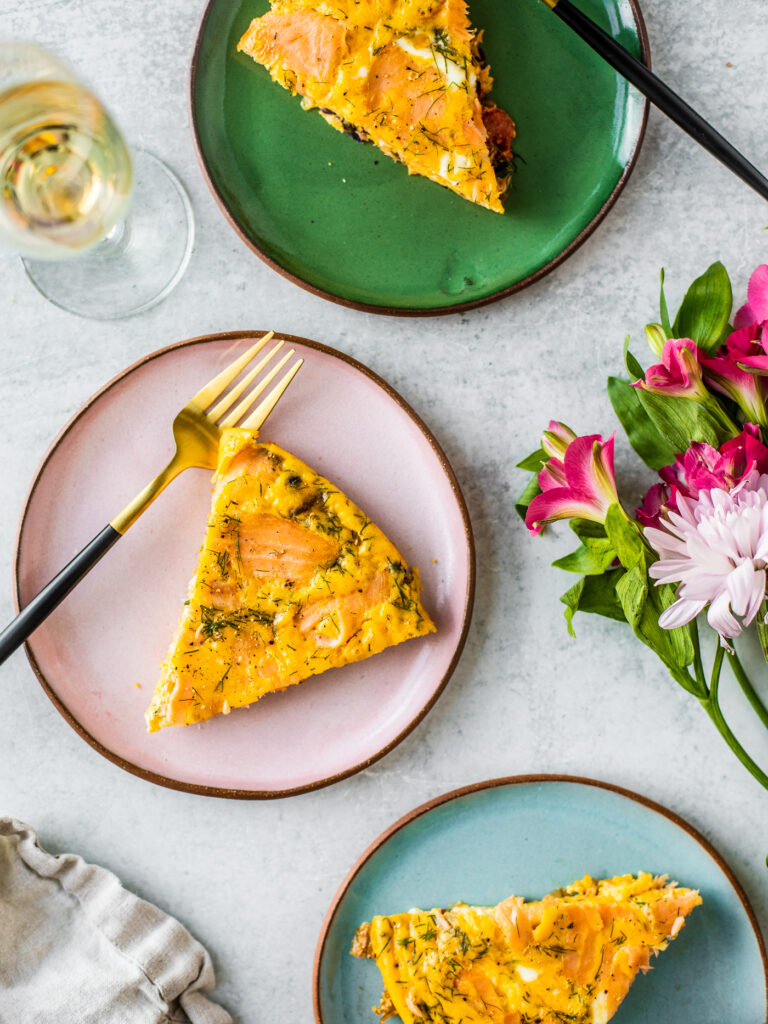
[{"x": 78, "y": 948}]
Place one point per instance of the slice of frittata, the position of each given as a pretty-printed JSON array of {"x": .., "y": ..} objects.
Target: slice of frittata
[
  {"x": 293, "y": 579},
  {"x": 569, "y": 957},
  {"x": 407, "y": 75}
]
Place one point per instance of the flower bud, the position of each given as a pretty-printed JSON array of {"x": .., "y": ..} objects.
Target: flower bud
[{"x": 655, "y": 336}]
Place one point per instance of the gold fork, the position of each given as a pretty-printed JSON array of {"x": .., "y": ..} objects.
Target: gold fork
[{"x": 196, "y": 430}]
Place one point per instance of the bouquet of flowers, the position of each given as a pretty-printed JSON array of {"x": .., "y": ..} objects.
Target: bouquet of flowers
[{"x": 699, "y": 541}]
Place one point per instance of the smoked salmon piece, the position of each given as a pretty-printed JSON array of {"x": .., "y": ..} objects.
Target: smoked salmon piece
[
  {"x": 293, "y": 579},
  {"x": 569, "y": 957},
  {"x": 406, "y": 75}
]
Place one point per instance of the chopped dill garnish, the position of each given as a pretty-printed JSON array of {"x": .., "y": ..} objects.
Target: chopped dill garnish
[
  {"x": 224, "y": 562},
  {"x": 220, "y": 684},
  {"x": 465, "y": 943},
  {"x": 230, "y": 526},
  {"x": 213, "y": 621},
  {"x": 401, "y": 578},
  {"x": 325, "y": 522}
]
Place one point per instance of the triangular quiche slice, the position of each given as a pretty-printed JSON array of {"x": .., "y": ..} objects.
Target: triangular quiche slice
[
  {"x": 569, "y": 957},
  {"x": 293, "y": 579},
  {"x": 407, "y": 75}
]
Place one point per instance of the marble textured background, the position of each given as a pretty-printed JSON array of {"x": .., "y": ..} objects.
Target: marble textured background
[{"x": 253, "y": 880}]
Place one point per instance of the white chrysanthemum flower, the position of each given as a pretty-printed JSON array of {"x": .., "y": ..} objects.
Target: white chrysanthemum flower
[{"x": 716, "y": 547}]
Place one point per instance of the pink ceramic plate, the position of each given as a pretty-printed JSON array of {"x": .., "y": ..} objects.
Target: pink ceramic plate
[{"x": 99, "y": 653}]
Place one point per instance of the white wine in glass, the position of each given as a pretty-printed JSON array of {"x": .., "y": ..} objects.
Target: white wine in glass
[{"x": 100, "y": 234}]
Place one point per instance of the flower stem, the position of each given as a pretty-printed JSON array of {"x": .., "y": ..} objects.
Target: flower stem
[
  {"x": 712, "y": 706},
  {"x": 762, "y": 629},
  {"x": 698, "y": 668},
  {"x": 717, "y": 665},
  {"x": 719, "y": 413},
  {"x": 749, "y": 691}
]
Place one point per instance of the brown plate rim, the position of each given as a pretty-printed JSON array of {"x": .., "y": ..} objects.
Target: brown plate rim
[
  {"x": 515, "y": 780},
  {"x": 410, "y": 311},
  {"x": 217, "y": 791}
]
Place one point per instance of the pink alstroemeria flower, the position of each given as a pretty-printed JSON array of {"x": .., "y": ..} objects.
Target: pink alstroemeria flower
[
  {"x": 748, "y": 341},
  {"x": 702, "y": 468},
  {"x": 678, "y": 374},
  {"x": 723, "y": 372},
  {"x": 655, "y": 502},
  {"x": 755, "y": 309},
  {"x": 580, "y": 485}
]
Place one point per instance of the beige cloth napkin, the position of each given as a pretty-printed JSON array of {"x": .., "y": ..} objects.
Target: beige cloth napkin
[{"x": 78, "y": 948}]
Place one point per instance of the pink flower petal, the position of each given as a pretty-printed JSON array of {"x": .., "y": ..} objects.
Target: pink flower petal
[
  {"x": 725, "y": 374},
  {"x": 721, "y": 618},
  {"x": 740, "y": 584},
  {"x": 757, "y": 597},
  {"x": 744, "y": 340},
  {"x": 757, "y": 364},
  {"x": 552, "y": 474},
  {"x": 663, "y": 542},
  {"x": 649, "y": 513},
  {"x": 756, "y": 307},
  {"x": 680, "y": 613},
  {"x": 761, "y": 551},
  {"x": 559, "y": 503},
  {"x": 588, "y": 465},
  {"x": 700, "y": 586},
  {"x": 556, "y": 439}
]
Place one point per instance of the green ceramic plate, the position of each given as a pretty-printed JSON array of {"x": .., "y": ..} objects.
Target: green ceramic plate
[{"x": 346, "y": 222}]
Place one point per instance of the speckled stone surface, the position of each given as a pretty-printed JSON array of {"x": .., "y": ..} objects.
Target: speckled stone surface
[{"x": 253, "y": 880}]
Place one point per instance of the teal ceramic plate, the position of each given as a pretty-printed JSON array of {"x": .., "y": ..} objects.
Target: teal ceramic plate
[
  {"x": 346, "y": 222},
  {"x": 529, "y": 835}
]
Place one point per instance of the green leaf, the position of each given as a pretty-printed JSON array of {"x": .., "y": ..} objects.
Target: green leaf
[
  {"x": 663, "y": 308},
  {"x": 682, "y": 420},
  {"x": 645, "y": 438},
  {"x": 642, "y": 604},
  {"x": 679, "y": 638},
  {"x": 595, "y": 555},
  {"x": 587, "y": 528},
  {"x": 533, "y": 462},
  {"x": 594, "y": 594},
  {"x": 706, "y": 308},
  {"x": 634, "y": 369},
  {"x": 624, "y": 535},
  {"x": 525, "y": 499},
  {"x": 632, "y": 591}
]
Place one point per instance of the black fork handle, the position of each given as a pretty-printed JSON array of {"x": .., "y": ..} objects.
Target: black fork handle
[
  {"x": 51, "y": 596},
  {"x": 660, "y": 94}
]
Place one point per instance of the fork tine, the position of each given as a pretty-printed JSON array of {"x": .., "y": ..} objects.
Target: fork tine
[
  {"x": 239, "y": 411},
  {"x": 229, "y": 399},
  {"x": 214, "y": 388},
  {"x": 265, "y": 407}
]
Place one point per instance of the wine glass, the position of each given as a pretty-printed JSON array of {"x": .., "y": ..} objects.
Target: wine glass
[{"x": 102, "y": 232}]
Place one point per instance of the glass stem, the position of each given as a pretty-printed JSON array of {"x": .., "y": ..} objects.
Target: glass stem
[{"x": 113, "y": 240}]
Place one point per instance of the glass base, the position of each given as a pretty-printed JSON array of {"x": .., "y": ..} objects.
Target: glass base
[{"x": 138, "y": 263}]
